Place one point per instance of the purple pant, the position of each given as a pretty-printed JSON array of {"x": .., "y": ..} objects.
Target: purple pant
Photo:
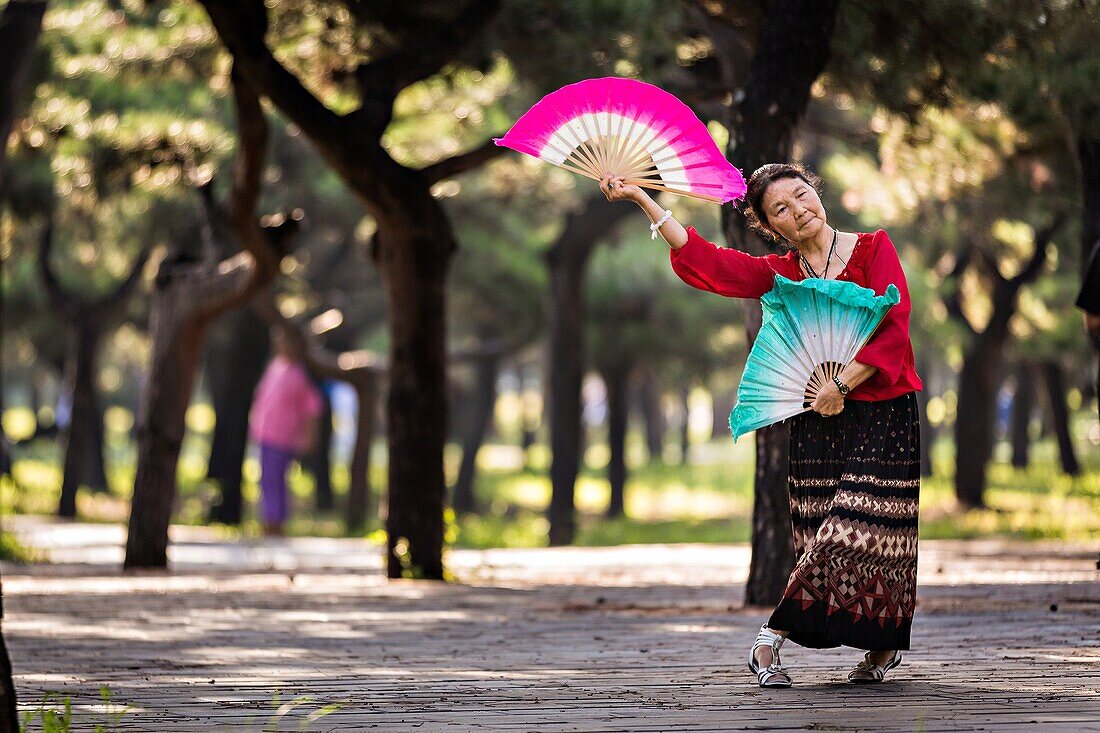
[{"x": 274, "y": 497}]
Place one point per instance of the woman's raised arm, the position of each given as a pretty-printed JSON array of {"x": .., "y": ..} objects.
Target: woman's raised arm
[{"x": 616, "y": 190}]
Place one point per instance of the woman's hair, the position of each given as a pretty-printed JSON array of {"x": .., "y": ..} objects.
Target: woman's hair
[{"x": 766, "y": 175}]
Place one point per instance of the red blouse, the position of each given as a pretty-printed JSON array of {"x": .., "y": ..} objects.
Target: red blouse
[{"x": 874, "y": 264}]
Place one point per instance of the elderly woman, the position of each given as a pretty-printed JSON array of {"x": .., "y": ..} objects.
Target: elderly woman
[{"x": 854, "y": 475}]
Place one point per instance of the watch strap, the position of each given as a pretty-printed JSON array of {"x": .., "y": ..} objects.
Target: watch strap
[{"x": 844, "y": 389}]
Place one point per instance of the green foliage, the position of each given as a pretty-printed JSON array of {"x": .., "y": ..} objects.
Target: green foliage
[
  {"x": 905, "y": 55},
  {"x": 948, "y": 139},
  {"x": 974, "y": 144},
  {"x": 556, "y": 43},
  {"x": 639, "y": 312},
  {"x": 711, "y": 501},
  {"x": 114, "y": 711},
  {"x": 952, "y": 178},
  {"x": 12, "y": 550},
  {"x": 51, "y": 719},
  {"x": 295, "y": 707},
  {"x": 128, "y": 110},
  {"x": 708, "y": 500}
]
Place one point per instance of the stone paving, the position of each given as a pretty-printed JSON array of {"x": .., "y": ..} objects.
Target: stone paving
[{"x": 307, "y": 634}]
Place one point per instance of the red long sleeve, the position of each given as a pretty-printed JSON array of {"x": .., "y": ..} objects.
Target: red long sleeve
[
  {"x": 873, "y": 264},
  {"x": 730, "y": 272},
  {"x": 889, "y": 349}
]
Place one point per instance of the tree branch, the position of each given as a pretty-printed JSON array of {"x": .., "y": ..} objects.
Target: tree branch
[
  {"x": 242, "y": 25},
  {"x": 235, "y": 280},
  {"x": 252, "y": 133},
  {"x": 1038, "y": 257},
  {"x": 209, "y": 216},
  {"x": 493, "y": 347},
  {"x": 112, "y": 301},
  {"x": 734, "y": 28},
  {"x": 987, "y": 263},
  {"x": 953, "y": 300},
  {"x": 584, "y": 228},
  {"x": 57, "y": 295},
  {"x": 413, "y": 62},
  {"x": 73, "y": 306},
  {"x": 20, "y": 25},
  {"x": 462, "y": 162},
  {"x": 348, "y": 366}
]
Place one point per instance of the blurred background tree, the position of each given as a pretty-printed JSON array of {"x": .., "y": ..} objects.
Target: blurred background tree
[{"x": 578, "y": 392}]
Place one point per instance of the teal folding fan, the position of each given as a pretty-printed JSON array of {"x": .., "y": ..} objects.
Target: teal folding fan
[{"x": 811, "y": 330}]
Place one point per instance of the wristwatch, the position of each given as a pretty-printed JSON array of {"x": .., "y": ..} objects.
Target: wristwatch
[{"x": 844, "y": 389}]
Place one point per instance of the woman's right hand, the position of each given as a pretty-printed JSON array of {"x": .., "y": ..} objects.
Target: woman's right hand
[{"x": 616, "y": 189}]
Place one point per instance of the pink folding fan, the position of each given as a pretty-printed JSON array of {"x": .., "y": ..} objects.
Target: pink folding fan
[{"x": 631, "y": 129}]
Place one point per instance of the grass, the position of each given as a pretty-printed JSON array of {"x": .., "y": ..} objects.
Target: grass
[
  {"x": 707, "y": 500},
  {"x": 713, "y": 503},
  {"x": 54, "y": 714}
]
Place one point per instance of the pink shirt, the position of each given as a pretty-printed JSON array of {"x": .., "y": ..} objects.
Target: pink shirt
[{"x": 284, "y": 401}]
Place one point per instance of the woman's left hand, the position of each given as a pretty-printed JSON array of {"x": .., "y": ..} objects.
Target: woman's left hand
[
  {"x": 615, "y": 188},
  {"x": 829, "y": 401}
]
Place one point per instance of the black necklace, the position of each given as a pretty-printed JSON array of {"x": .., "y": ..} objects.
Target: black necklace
[{"x": 811, "y": 270}]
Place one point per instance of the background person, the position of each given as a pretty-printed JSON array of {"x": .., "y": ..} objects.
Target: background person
[{"x": 283, "y": 421}]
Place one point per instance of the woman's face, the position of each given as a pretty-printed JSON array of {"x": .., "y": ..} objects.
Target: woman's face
[{"x": 793, "y": 209}]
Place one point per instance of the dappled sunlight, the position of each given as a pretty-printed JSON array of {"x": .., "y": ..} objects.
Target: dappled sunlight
[
  {"x": 500, "y": 458},
  {"x": 678, "y": 501},
  {"x": 247, "y": 654},
  {"x": 46, "y": 627},
  {"x": 692, "y": 628},
  {"x": 581, "y": 630}
]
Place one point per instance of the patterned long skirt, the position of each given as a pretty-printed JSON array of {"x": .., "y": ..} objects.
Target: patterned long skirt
[{"x": 854, "y": 488}]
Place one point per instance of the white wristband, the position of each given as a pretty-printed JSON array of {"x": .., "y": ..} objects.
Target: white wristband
[{"x": 657, "y": 224}]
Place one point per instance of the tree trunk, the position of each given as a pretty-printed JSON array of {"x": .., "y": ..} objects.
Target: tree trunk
[
  {"x": 236, "y": 354},
  {"x": 685, "y": 433},
  {"x": 927, "y": 431},
  {"x": 85, "y": 322},
  {"x": 20, "y": 25},
  {"x": 83, "y": 338},
  {"x": 358, "y": 504},
  {"x": 83, "y": 437},
  {"x": 565, "y": 365},
  {"x": 529, "y": 423},
  {"x": 791, "y": 52},
  {"x": 974, "y": 425},
  {"x": 1023, "y": 404},
  {"x": 653, "y": 418},
  {"x": 567, "y": 260},
  {"x": 979, "y": 378},
  {"x": 1096, "y": 384},
  {"x": 176, "y": 346},
  {"x": 9, "y": 711},
  {"x": 417, "y": 401},
  {"x": 186, "y": 298},
  {"x": 616, "y": 377},
  {"x": 93, "y": 465},
  {"x": 722, "y": 404},
  {"x": 1059, "y": 416},
  {"x": 412, "y": 247},
  {"x": 1088, "y": 158},
  {"x": 480, "y": 418},
  {"x": 771, "y": 520},
  {"x": 319, "y": 462}
]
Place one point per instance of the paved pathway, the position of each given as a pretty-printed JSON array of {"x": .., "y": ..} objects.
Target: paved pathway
[{"x": 307, "y": 635}]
